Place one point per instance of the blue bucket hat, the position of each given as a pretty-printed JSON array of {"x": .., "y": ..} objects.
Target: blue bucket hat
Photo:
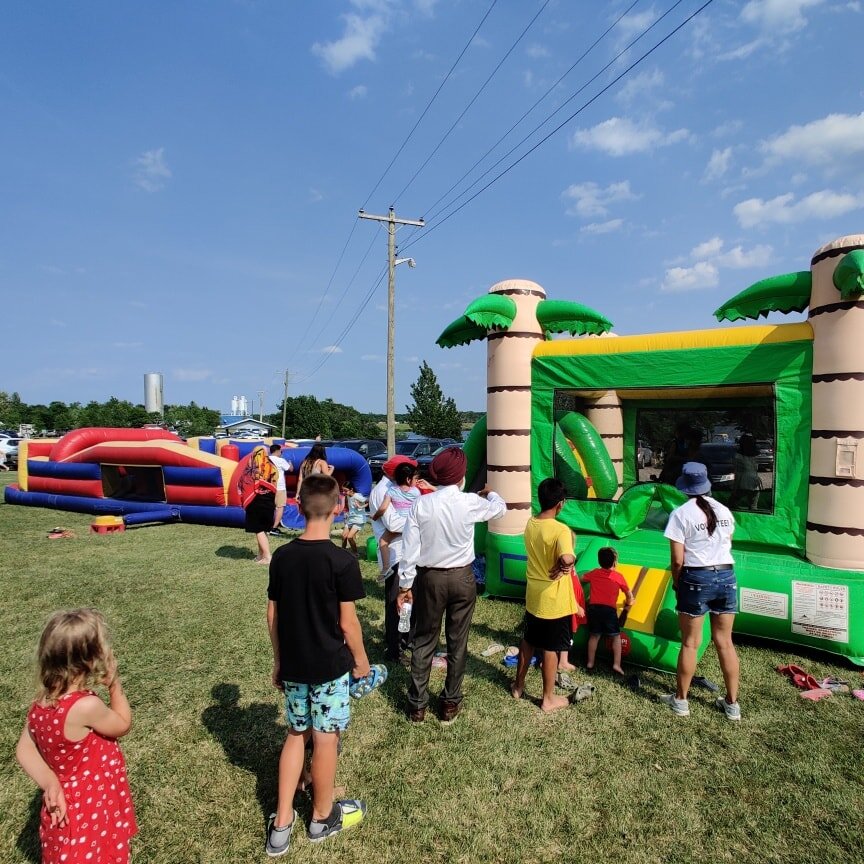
[{"x": 694, "y": 479}]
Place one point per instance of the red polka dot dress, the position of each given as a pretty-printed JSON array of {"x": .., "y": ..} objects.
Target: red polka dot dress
[{"x": 101, "y": 818}]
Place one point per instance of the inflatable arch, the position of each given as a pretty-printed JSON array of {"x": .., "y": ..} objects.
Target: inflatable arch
[{"x": 570, "y": 408}]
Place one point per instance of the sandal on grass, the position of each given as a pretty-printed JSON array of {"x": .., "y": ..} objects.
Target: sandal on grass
[
  {"x": 816, "y": 694},
  {"x": 581, "y": 693},
  {"x": 565, "y": 681}
]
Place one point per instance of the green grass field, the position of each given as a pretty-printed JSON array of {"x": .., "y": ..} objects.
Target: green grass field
[{"x": 614, "y": 779}]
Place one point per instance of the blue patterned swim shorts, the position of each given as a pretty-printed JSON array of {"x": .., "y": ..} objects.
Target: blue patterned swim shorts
[{"x": 323, "y": 707}]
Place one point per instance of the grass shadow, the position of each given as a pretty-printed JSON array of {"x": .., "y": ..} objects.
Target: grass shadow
[
  {"x": 237, "y": 553},
  {"x": 252, "y": 738},
  {"x": 28, "y": 840}
]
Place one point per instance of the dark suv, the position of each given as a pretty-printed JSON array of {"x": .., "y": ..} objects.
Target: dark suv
[
  {"x": 367, "y": 447},
  {"x": 411, "y": 447}
]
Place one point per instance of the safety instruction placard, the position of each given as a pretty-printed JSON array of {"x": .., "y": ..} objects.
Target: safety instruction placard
[
  {"x": 821, "y": 610},
  {"x": 772, "y": 604}
]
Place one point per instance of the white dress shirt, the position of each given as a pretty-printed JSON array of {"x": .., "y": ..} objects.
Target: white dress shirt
[{"x": 439, "y": 530}]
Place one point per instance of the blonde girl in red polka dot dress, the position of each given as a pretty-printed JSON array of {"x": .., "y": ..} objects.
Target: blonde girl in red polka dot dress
[{"x": 69, "y": 745}]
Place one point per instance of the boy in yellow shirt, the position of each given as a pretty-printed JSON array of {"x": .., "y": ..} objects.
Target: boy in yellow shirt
[{"x": 549, "y": 598}]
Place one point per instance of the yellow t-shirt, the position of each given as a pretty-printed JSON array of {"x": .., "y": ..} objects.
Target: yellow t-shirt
[{"x": 546, "y": 540}]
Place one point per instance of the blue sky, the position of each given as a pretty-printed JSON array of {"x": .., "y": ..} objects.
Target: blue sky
[{"x": 178, "y": 180}]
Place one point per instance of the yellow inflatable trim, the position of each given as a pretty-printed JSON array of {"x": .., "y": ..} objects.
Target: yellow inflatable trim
[
  {"x": 649, "y": 595},
  {"x": 685, "y": 340}
]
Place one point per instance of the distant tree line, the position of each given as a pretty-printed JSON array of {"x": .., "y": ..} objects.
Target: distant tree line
[{"x": 187, "y": 420}]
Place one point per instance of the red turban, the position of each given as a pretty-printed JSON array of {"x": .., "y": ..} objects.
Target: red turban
[
  {"x": 390, "y": 466},
  {"x": 448, "y": 467}
]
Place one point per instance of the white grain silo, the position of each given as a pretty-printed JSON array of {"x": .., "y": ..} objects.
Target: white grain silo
[{"x": 153, "y": 393}]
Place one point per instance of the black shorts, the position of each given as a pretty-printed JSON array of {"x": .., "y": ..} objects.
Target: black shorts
[
  {"x": 548, "y": 634},
  {"x": 260, "y": 513},
  {"x": 603, "y": 620}
]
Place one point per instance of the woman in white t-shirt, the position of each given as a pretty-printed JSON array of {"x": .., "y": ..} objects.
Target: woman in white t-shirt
[{"x": 700, "y": 536}]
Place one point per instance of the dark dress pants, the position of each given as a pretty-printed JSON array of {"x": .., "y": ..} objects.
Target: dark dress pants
[
  {"x": 449, "y": 595},
  {"x": 395, "y": 641}
]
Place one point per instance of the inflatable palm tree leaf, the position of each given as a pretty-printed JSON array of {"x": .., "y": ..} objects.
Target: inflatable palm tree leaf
[
  {"x": 787, "y": 293},
  {"x": 849, "y": 275},
  {"x": 492, "y": 311},
  {"x": 461, "y": 332},
  {"x": 565, "y": 316}
]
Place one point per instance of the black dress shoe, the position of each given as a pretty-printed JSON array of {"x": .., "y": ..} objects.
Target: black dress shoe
[
  {"x": 449, "y": 711},
  {"x": 416, "y": 715}
]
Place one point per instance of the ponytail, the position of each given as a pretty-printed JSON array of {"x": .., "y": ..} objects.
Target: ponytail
[{"x": 710, "y": 515}]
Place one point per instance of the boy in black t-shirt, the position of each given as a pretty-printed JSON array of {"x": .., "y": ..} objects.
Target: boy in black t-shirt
[{"x": 317, "y": 646}]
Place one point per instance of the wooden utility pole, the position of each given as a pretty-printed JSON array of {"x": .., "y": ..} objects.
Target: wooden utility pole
[
  {"x": 260, "y": 406},
  {"x": 392, "y": 221},
  {"x": 285, "y": 400}
]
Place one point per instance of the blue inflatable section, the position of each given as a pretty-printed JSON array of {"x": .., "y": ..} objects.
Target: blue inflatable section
[
  {"x": 349, "y": 464},
  {"x": 64, "y": 470},
  {"x": 207, "y": 445},
  {"x": 180, "y": 476}
]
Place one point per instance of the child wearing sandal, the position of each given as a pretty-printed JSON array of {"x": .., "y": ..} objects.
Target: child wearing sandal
[
  {"x": 605, "y": 582},
  {"x": 87, "y": 815},
  {"x": 317, "y": 647}
]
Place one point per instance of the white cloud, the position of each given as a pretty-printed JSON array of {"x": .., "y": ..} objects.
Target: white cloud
[
  {"x": 192, "y": 374},
  {"x": 537, "y": 51},
  {"x": 632, "y": 25},
  {"x": 784, "y": 210},
  {"x": 315, "y": 195},
  {"x": 602, "y": 227},
  {"x": 680, "y": 279},
  {"x": 426, "y": 7},
  {"x": 331, "y": 349},
  {"x": 127, "y": 345},
  {"x": 375, "y": 358},
  {"x": 358, "y": 92},
  {"x": 710, "y": 259},
  {"x": 359, "y": 39},
  {"x": 589, "y": 199},
  {"x": 783, "y": 16},
  {"x": 151, "y": 173},
  {"x": 724, "y": 130},
  {"x": 718, "y": 164},
  {"x": 708, "y": 249},
  {"x": 832, "y": 140},
  {"x": 620, "y": 136},
  {"x": 56, "y": 322},
  {"x": 640, "y": 85}
]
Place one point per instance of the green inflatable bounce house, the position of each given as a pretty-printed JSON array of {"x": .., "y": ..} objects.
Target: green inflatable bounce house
[{"x": 776, "y": 413}]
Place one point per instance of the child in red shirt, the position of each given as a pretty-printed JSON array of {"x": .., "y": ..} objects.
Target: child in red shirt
[{"x": 605, "y": 584}]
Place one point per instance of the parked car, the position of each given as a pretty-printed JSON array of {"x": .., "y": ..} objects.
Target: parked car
[
  {"x": 366, "y": 447},
  {"x": 765, "y": 456},
  {"x": 9, "y": 446},
  {"x": 423, "y": 462},
  {"x": 719, "y": 459},
  {"x": 644, "y": 455},
  {"x": 414, "y": 448}
]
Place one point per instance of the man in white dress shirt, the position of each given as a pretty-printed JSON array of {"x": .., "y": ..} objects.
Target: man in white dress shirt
[{"x": 436, "y": 575}]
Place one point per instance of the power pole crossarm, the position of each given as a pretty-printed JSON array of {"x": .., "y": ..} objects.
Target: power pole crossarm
[{"x": 392, "y": 221}]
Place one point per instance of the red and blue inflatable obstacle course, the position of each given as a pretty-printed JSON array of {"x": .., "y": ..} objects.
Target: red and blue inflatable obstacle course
[{"x": 150, "y": 475}]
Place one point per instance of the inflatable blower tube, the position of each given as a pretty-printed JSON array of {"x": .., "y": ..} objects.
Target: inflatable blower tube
[
  {"x": 167, "y": 514},
  {"x": 590, "y": 447}
]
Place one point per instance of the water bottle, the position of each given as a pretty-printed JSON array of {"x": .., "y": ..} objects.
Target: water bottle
[{"x": 405, "y": 618}]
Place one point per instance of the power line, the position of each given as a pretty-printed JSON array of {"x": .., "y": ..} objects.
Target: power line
[
  {"x": 581, "y": 57},
  {"x": 566, "y": 102},
  {"x": 543, "y": 140},
  {"x": 299, "y": 344},
  {"x": 474, "y": 98},
  {"x": 586, "y": 104},
  {"x": 428, "y": 105}
]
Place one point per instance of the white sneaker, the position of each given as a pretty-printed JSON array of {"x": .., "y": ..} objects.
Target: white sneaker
[
  {"x": 732, "y": 710},
  {"x": 679, "y": 707}
]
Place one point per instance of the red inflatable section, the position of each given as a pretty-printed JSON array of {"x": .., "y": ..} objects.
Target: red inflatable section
[
  {"x": 114, "y": 454},
  {"x": 209, "y": 495},
  {"x": 61, "y": 486},
  {"x": 233, "y": 491},
  {"x": 39, "y": 448},
  {"x": 81, "y": 439}
]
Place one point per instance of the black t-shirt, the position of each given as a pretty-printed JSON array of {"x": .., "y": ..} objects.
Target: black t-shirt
[{"x": 308, "y": 581}]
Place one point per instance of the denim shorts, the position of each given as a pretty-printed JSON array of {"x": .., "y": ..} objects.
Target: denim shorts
[
  {"x": 701, "y": 591},
  {"x": 322, "y": 707}
]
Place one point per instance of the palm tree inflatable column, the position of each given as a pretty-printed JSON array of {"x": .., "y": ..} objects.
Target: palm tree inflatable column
[
  {"x": 836, "y": 500},
  {"x": 514, "y": 317}
]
